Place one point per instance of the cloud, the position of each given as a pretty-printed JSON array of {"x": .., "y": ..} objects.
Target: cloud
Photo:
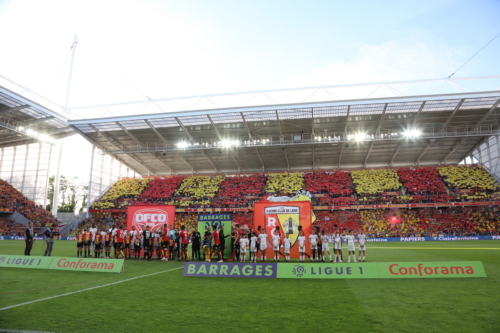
[{"x": 411, "y": 58}]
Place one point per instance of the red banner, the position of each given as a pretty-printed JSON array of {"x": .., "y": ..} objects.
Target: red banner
[
  {"x": 287, "y": 216},
  {"x": 6, "y": 210},
  {"x": 154, "y": 216}
]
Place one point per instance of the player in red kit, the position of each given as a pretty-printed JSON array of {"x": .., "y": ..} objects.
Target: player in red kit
[
  {"x": 184, "y": 243},
  {"x": 98, "y": 245},
  {"x": 119, "y": 235},
  {"x": 237, "y": 238},
  {"x": 215, "y": 236},
  {"x": 164, "y": 245},
  {"x": 87, "y": 240},
  {"x": 128, "y": 241}
]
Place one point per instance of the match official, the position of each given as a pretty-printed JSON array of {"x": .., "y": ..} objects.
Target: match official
[{"x": 29, "y": 238}]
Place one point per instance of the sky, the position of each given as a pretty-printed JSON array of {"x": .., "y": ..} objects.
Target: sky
[{"x": 131, "y": 50}]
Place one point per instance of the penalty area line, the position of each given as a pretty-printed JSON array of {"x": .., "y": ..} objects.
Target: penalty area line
[{"x": 91, "y": 288}]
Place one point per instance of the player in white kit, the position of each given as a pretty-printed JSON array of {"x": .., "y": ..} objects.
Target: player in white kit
[
  {"x": 313, "y": 239},
  {"x": 263, "y": 244},
  {"x": 287, "y": 242},
  {"x": 350, "y": 246},
  {"x": 156, "y": 244},
  {"x": 337, "y": 246},
  {"x": 362, "y": 246},
  {"x": 302, "y": 245},
  {"x": 326, "y": 247},
  {"x": 276, "y": 244},
  {"x": 243, "y": 247},
  {"x": 93, "y": 230},
  {"x": 253, "y": 247}
]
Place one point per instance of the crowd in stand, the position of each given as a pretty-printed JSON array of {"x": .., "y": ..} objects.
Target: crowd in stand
[
  {"x": 239, "y": 191},
  {"x": 284, "y": 183},
  {"x": 9, "y": 227},
  {"x": 130, "y": 188},
  {"x": 162, "y": 189},
  {"x": 10, "y": 197},
  {"x": 457, "y": 221},
  {"x": 469, "y": 183},
  {"x": 373, "y": 182},
  {"x": 197, "y": 191},
  {"x": 336, "y": 188},
  {"x": 332, "y": 188},
  {"x": 383, "y": 186}
]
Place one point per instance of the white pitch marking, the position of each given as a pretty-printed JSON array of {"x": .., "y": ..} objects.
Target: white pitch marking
[{"x": 79, "y": 291}]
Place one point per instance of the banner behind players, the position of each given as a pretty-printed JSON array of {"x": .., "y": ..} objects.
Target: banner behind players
[
  {"x": 63, "y": 263},
  {"x": 383, "y": 270},
  {"x": 154, "y": 216},
  {"x": 219, "y": 220},
  {"x": 288, "y": 216}
]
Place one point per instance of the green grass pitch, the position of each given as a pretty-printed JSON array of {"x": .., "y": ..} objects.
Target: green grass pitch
[{"x": 169, "y": 302}]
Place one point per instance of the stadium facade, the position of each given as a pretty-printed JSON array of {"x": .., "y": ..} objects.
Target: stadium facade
[{"x": 372, "y": 125}]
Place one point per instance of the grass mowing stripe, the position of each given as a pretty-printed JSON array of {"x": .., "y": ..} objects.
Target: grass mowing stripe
[
  {"x": 91, "y": 288},
  {"x": 63, "y": 286},
  {"x": 21, "y": 331}
]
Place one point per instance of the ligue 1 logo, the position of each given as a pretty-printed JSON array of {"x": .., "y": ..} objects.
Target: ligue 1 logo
[{"x": 299, "y": 270}]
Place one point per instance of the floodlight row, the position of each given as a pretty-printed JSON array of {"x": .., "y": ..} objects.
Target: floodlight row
[{"x": 356, "y": 137}]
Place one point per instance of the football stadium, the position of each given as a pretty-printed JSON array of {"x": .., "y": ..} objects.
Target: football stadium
[{"x": 371, "y": 206}]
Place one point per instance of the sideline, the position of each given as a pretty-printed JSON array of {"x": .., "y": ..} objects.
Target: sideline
[{"x": 79, "y": 291}]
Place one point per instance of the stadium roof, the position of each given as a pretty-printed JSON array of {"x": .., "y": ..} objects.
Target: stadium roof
[
  {"x": 23, "y": 121},
  {"x": 355, "y": 133}
]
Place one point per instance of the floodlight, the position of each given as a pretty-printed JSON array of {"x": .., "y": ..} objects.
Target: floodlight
[
  {"x": 182, "y": 144},
  {"x": 360, "y": 137},
  {"x": 229, "y": 143},
  {"x": 225, "y": 143},
  {"x": 412, "y": 133}
]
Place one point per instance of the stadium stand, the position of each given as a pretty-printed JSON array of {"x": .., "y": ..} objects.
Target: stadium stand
[
  {"x": 383, "y": 186},
  {"x": 10, "y": 197},
  {"x": 335, "y": 183},
  {"x": 469, "y": 183},
  {"x": 129, "y": 188},
  {"x": 239, "y": 191},
  {"x": 9, "y": 227},
  {"x": 458, "y": 221},
  {"x": 284, "y": 183},
  {"x": 162, "y": 189},
  {"x": 339, "y": 188},
  {"x": 197, "y": 191},
  {"x": 373, "y": 182}
]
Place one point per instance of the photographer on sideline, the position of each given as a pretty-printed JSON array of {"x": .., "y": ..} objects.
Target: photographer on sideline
[{"x": 50, "y": 233}]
